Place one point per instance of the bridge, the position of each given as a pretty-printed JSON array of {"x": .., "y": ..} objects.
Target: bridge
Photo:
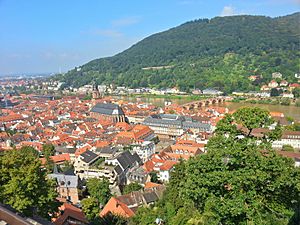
[{"x": 202, "y": 103}]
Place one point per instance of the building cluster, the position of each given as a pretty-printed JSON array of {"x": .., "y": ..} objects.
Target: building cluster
[
  {"x": 123, "y": 142},
  {"x": 284, "y": 88}
]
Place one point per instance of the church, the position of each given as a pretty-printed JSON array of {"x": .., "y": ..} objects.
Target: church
[{"x": 109, "y": 112}]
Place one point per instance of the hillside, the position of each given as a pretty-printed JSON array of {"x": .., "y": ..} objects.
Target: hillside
[{"x": 221, "y": 52}]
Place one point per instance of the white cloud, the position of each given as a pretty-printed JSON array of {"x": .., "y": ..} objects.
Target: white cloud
[
  {"x": 108, "y": 33},
  {"x": 228, "y": 11},
  {"x": 297, "y": 2},
  {"x": 19, "y": 56},
  {"x": 49, "y": 55},
  {"x": 186, "y": 2},
  {"x": 111, "y": 33},
  {"x": 125, "y": 21}
]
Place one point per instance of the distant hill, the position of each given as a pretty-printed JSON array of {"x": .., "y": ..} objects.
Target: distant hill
[{"x": 221, "y": 52}]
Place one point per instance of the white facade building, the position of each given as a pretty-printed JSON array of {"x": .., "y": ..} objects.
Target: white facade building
[
  {"x": 288, "y": 138},
  {"x": 145, "y": 150}
]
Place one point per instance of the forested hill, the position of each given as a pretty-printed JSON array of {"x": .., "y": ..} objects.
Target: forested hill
[{"x": 221, "y": 52}]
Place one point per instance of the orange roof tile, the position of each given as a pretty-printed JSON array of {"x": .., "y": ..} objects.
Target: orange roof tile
[
  {"x": 116, "y": 207},
  {"x": 151, "y": 185},
  {"x": 167, "y": 165}
]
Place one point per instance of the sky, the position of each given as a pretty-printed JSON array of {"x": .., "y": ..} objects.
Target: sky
[{"x": 57, "y": 35}]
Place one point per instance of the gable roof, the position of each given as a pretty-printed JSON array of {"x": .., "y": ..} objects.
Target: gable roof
[
  {"x": 167, "y": 165},
  {"x": 116, "y": 207},
  {"x": 150, "y": 197},
  {"x": 118, "y": 170},
  {"x": 126, "y": 159},
  {"x": 88, "y": 156},
  {"x": 107, "y": 109},
  {"x": 69, "y": 181},
  {"x": 108, "y": 150},
  {"x": 70, "y": 211},
  {"x": 151, "y": 185}
]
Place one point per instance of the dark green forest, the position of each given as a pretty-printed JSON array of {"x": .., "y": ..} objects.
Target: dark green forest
[{"x": 220, "y": 52}]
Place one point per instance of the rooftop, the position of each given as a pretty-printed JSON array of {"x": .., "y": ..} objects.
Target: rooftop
[{"x": 107, "y": 109}]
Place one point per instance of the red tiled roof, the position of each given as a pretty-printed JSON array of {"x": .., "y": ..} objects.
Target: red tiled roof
[
  {"x": 70, "y": 211},
  {"x": 167, "y": 165},
  {"x": 116, "y": 207},
  {"x": 58, "y": 158},
  {"x": 289, "y": 154},
  {"x": 151, "y": 185},
  {"x": 148, "y": 166}
]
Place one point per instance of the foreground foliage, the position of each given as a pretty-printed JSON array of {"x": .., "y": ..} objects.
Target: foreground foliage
[
  {"x": 132, "y": 187},
  {"x": 99, "y": 195},
  {"x": 240, "y": 180},
  {"x": 23, "y": 183}
]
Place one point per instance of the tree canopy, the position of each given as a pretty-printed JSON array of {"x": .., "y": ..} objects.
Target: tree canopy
[
  {"x": 99, "y": 189},
  {"x": 48, "y": 150},
  {"x": 24, "y": 185},
  {"x": 90, "y": 207},
  {"x": 132, "y": 187},
  {"x": 240, "y": 180},
  {"x": 99, "y": 195}
]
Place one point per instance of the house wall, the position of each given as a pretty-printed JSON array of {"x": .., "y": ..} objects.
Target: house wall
[
  {"x": 70, "y": 194},
  {"x": 295, "y": 143}
]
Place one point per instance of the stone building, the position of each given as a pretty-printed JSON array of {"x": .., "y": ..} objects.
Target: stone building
[
  {"x": 67, "y": 185},
  {"x": 109, "y": 112},
  {"x": 172, "y": 126}
]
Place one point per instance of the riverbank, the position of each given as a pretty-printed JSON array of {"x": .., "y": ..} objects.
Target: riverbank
[
  {"x": 288, "y": 110},
  {"x": 269, "y": 101},
  {"x": 168, "y": 96}
]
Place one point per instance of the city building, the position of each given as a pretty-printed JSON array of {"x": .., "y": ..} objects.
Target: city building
[
  {"x": 67, "y": 185},
  {"x": 109, "y": 112},
  {"x": 276, "y": 75},
  {"x": 127, "y": 205},
  {"x": 272, "y": 84},
  {"x": 210, "y": 91},
  {"x": 144, "y": 150},
  {"x": 291, "y": 138},
  {"x": 172, "y": 125}
]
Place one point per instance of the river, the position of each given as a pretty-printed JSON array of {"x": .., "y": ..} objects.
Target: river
[{"x": 291, "y": 111}]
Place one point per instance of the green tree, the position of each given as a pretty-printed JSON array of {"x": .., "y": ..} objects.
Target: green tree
[
  {"x": 90, "y": 207},
  {"x": 154, "y": 177},
  {"x": 237, "y": 179},
  {"x": 288, "y": 148},
  {"x": 132, "y": 187},
  {"x": 48, "y": 150},
  {"x": 274, "y": 92},
  {"x": 240, "y": 180},
  {"x": 145, "y": 216},
  {"x": 24, "y": 185},
  {"x": 285, "y": 101},
  {"x": 296, "y": 92},
  {"x": 249, "y": 118},
  {"x": 49, "y": 164},
  {"x": 99, "y": 189},
  {"x": 66, "y": 166},
  {"x": 110, "y": 219}
]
